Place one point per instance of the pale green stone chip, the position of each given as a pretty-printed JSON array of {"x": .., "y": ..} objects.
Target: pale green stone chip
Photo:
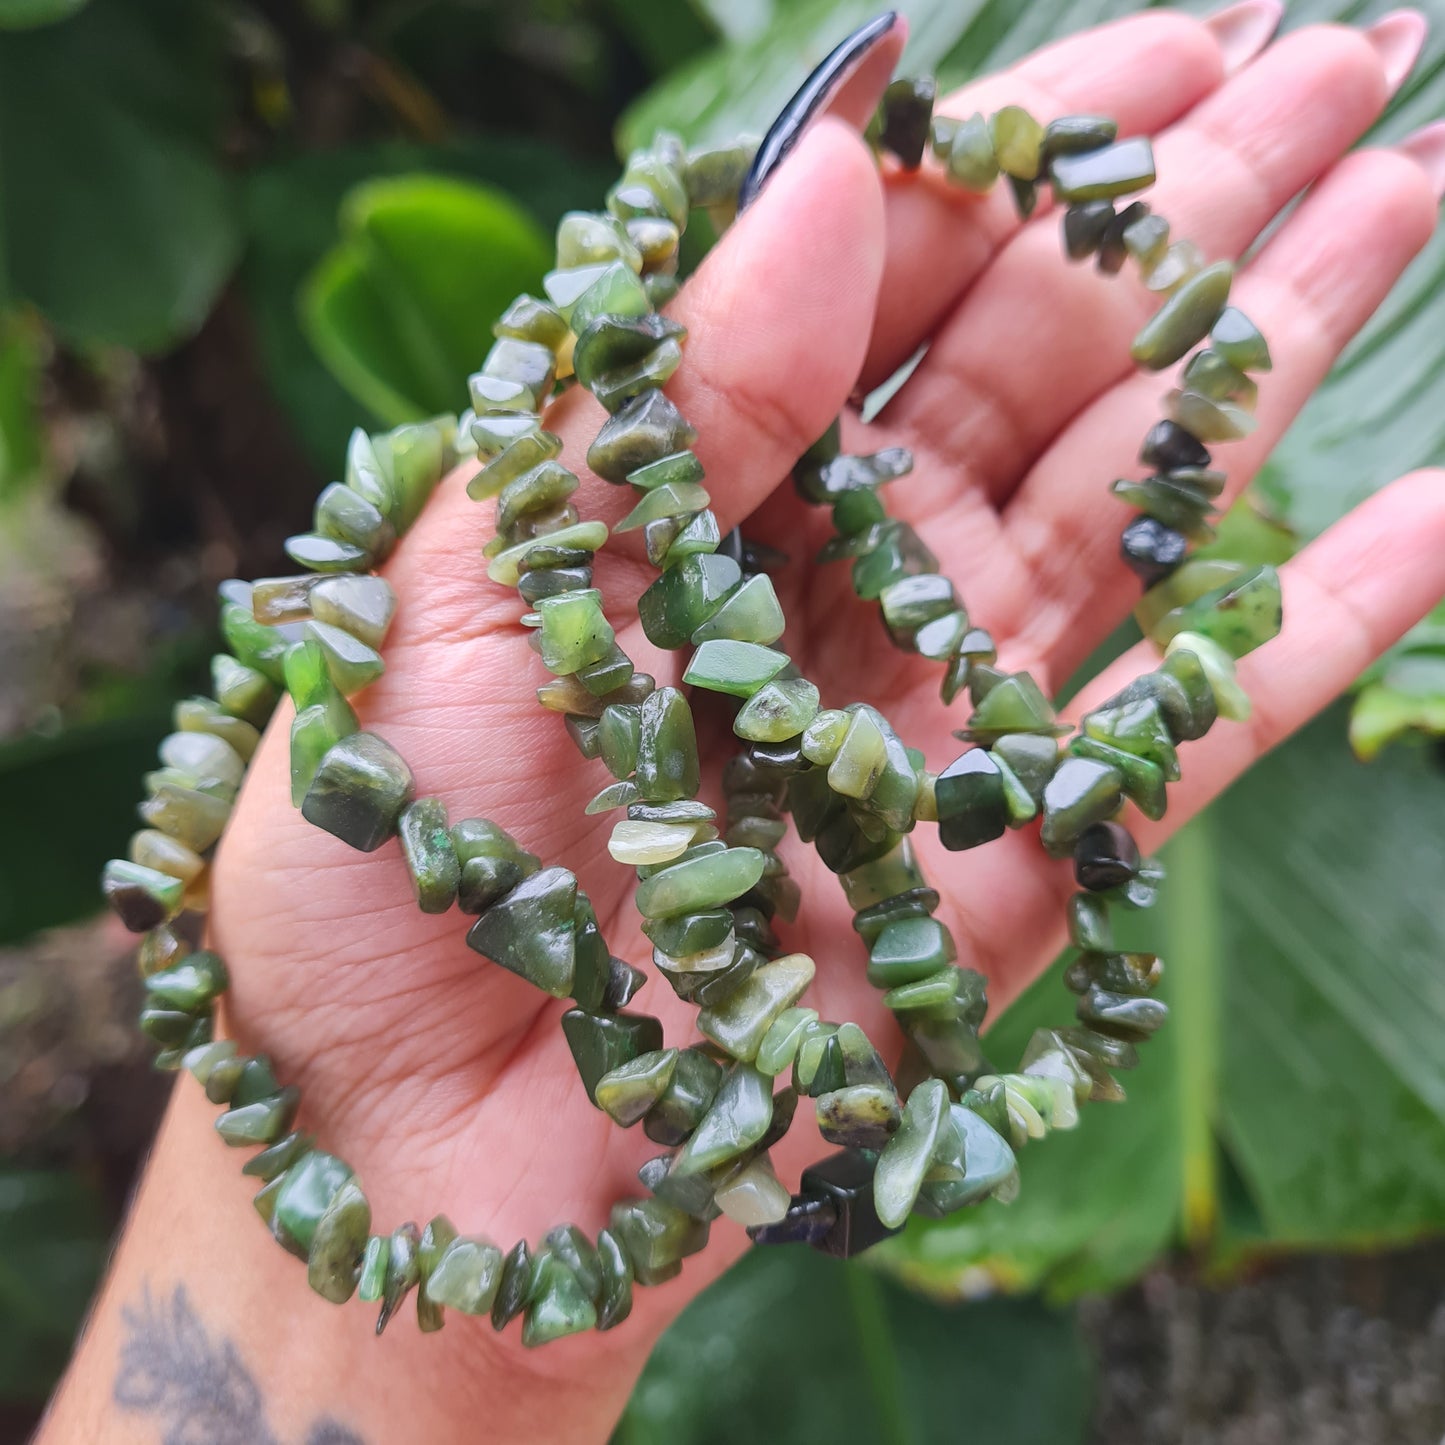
[
  {"x": 783, "y": 1039},
  {"x": 738, "y": 668},
  {"x": 506, "y": 566},
  {"x": 351, "y": 662},
  {"x": 642, "y": 843},
  {"x": 752, "y": 613},
  {"x": 737, "y": 1118},
  {"x": 740, "y": 1021},
  {"x": 698, "y": 883},
  {"x": 908, "y": 1155}
]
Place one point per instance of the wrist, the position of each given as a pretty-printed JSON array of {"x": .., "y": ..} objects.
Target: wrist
[{"x": 204, "y": 1324}]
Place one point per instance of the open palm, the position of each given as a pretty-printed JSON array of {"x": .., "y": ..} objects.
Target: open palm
[{"x": 446, "y": 1081}]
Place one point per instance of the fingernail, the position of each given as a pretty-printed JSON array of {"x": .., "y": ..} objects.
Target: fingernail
[
  {"x": 810, "y": 100},
  {"x": 1241, "y": 31},
  {"x": 1426, "y": 147},
  {"x": 1398, "y": 39}
]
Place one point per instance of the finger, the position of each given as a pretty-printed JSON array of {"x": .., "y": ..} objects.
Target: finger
[
  {"x": 777, "y": 319},
  {"x": 1145, "y": 71},
  {"x": 1035, "y": 339},
  {"x": 1311, "y": 289},
  {"x": 1347, "y": 597}
]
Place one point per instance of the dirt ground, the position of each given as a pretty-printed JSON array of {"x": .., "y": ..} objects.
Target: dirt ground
[{"x": 1320, "y": 1351}]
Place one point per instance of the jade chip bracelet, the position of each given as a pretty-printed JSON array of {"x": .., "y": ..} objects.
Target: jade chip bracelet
[{"x": 940, "y": 1132}]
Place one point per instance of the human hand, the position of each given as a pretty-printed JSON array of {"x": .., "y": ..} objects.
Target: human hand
[{"x": 445, "y": 1081}]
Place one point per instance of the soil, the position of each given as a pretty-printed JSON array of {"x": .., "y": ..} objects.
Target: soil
[{"x": 1322, "y": 1350}]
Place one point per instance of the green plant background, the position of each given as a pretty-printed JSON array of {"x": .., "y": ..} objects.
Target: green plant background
[{"x": 156, "y": 167}]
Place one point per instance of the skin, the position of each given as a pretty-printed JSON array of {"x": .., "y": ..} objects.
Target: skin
[{"x": 445, "y": 1081}]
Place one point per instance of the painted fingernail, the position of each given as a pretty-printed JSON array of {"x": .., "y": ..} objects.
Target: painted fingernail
[
  {"x": 810, "y": 100},
  {"x": 1241, "y": 31},
  {"x": 1398, "y": 39},
  {"x": 1426, "y": 147}
]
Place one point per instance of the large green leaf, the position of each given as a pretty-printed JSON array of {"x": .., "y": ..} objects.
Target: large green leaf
[
  {"x": 115, "y": 219},
  {"x": 403, "y": 308},
  {"x": 291, "y": 220},
  {"x": 1332, "y": 1098},
  {"x": 793, "y": 1347}
]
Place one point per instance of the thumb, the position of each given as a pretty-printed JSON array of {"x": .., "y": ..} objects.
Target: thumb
[{"x": 778, "y": 318}]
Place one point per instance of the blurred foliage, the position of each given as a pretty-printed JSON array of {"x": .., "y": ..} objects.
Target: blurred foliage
[
  {"x": 22, "y": 445},
  {"x": 789, "y": 1346},
  {"x": 52, "y": 1248},
  {"x": 117, "y": 218},
  {"x": 396, "y": 309},
  {"x": 370, "y": 181},
  {"x": 77, "y": 795},
  {"x": 292, "y": 209},
  {"x": 1332, "y": 1003},
  {"x": 27, "y": 14}
]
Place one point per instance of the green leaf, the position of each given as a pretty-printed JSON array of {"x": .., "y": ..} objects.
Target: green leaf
[
  {"x": 115, "y": 218},
  {"x": 403, "y": 308},
  {"x": 792, "y": 1346},
  {"x": 1333, "y": 1096},
  {"x": 291, "y": 211},
  {"x": 53, "y": 1242},
  {"x": 1300, "y": 927},
  {"x": 345, "y": 315},
  {"x": 665, "y": 33},
  {"x": 29, "y": 14}
]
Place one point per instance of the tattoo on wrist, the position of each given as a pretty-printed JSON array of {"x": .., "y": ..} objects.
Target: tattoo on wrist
[{"x": 195, "y": 1385}]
